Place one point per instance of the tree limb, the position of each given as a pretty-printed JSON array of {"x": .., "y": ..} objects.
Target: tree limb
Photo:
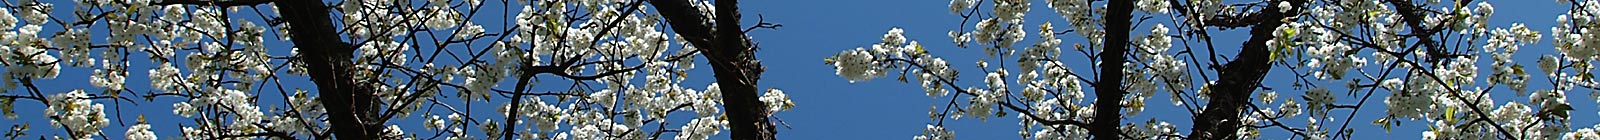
[
  {"x": 1238, "y": 79},
  {"x": 732, "y": 60},
  {"x": 351, "y": 105}
]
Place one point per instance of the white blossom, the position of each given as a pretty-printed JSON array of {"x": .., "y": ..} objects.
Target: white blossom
[
  {"x": 701, "y": 128},
  {"x": 776, "y": 100},
  {"x": 140, "y": 132},
  {"x": 957, "y": 6},
  {"x": 935, "y": 133},
  {"x": 77, "y": 113}
]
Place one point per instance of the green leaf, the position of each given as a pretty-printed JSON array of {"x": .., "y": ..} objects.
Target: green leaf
[
  {"x": 1290, "y": 32},
  {"x": 1383, "y": 122},
  {"x": 919, "y": 49},
  {"x": 1450, "y": 115},
  {"x": 1517, "y": 69},
  {"x": 1272, "y": 56},
  {"x": 6, "y": 105}
]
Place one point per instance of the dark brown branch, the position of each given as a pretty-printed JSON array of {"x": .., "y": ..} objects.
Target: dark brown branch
[
  {"x": 1413, "y": 15},
  {"x": 732, "y": 61},
  {"x": 516, "y": 102},
  {"x": 1238, "y": 79},
  {"x": 351, "y": 106},
  {"x": 761, "y": 22}
]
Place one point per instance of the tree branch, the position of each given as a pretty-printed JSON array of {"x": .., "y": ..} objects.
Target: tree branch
[
  {"x": 732, "y": 60},
  {"x": 350, "y": 104},
  {"x": 1238, "y": 79}
]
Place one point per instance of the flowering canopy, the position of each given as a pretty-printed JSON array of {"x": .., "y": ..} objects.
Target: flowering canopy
[
  {"x": 1422, "y": 57},
  {"x": 225, "y": 64}
]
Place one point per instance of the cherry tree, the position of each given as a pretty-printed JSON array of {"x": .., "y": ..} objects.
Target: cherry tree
[
  {"x": 549, "y": 69},
  {"x": 1421, "y": 59}
]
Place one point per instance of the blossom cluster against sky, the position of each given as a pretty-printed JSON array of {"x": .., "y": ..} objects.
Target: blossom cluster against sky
[{"x": 830, "y": 107}]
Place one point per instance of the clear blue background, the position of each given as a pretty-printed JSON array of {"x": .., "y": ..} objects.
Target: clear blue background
[{"x": 828, "y": 107}]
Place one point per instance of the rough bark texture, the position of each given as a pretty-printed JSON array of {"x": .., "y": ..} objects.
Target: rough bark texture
[
  {"x": 351, "y": 106},
  {"x": 732, "y": 60},
  {"x": 1109, "y": 93},
  {"x": 1238, "y": 79}
]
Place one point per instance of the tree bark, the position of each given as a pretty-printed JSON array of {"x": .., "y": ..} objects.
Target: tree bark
[
  {"x": 351, "y": 106},
  {"x": 1108, "y": 92},
  {"x": 732, "y": 60},
  {"x": 1238, "y": 79}
]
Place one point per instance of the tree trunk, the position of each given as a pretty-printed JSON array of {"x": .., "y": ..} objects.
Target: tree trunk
[
  {"x": 1108, "y": 92},
  {"x": 351, "y": 106},
  {"x": 1238, "y": 80},
  {"x": 732, "y": 60}
]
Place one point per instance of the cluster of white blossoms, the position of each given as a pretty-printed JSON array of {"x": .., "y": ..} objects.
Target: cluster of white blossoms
[
  {"x": 370, "y": 18},
  {"x": 985, "y": 100},
  {"x": 857, "y": 65},
  {"x": 23, "y": 50},
  {"x": 775, "y": 100},
  {"x": 1318, "y": 100},
  {"x": 479, "y": 80},
  {"x": 624, "y": 106},
  {"x": 1153, "y": 6},
  {"x": 1045, "y": 81},
  {"x": 140, "y": 131},
  {"x": 1502, "y": 43},
  {"x": 958, "y": 6},
  {"x": 1080, "y": 15},
  {"x": 1152, "y": 129},
  {"x": 1330, "y": 57},
  {"x": 1572, "y": 38},
  {"x": 1572, "y": 41},
  {"x": 1156, "y": 68},
  {"x": 1444, "y": 91},
  {"x": 701, "y": 128},
  {"x": 1042, "y": 79},
  {"x": 863, "y": 64},
  {"x": 79, "y": 115},
  {"x": 1056, "y": 78},
  {"x": 934, "y": 132},
  {"x": 35, "y": 12},
  {"x": 1054, "y": 109},
  {"x": 1011, "y": 11}
]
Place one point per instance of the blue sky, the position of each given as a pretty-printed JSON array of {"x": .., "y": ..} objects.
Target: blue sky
[{"x": 829, "y": 107}]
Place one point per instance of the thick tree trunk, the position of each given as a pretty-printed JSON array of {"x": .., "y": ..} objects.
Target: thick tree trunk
[
  {"x": 732, "y": 60},
  {"x": 1238, "y": 79},
  {"x": 351, "y": 107},
  {"x": 1108, "y": 92}
]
